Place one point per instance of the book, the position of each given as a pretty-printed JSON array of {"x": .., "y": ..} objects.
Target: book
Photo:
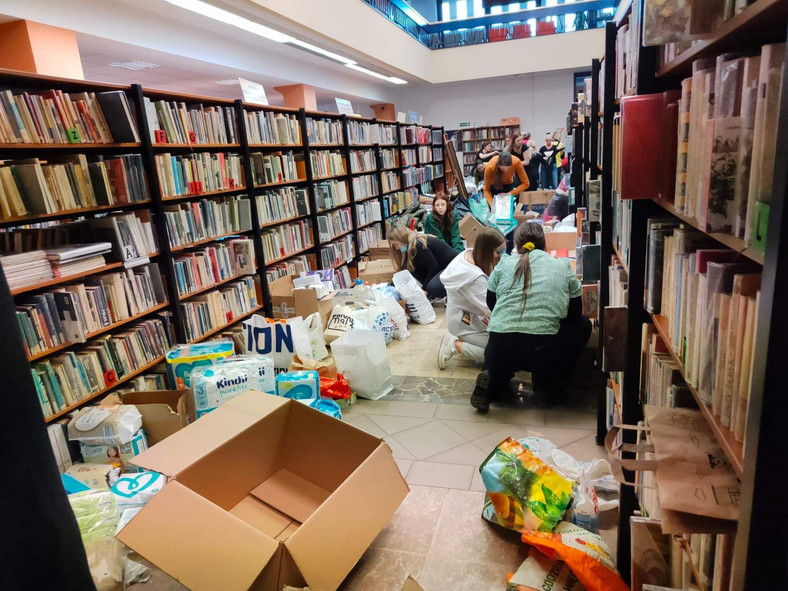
[{"x": 118, "y": 115}]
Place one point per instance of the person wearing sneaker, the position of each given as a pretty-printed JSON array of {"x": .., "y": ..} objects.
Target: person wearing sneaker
[
  {"x": 424, "y": 256},
  {"x": 467, "y": 314},
  {"x": 536, "y": 321}
]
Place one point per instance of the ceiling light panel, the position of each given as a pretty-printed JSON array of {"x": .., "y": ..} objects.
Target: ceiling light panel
[{"x": 134, "y": 65}]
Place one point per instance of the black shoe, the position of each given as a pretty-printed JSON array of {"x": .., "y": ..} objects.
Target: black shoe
[
  {"x": 548, "y": 391},
  {"x": 480, "y": 399}
]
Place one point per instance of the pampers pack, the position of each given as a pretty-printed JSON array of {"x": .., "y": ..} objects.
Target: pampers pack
[
  {"x": 212, "y": 386},
  {"x": 183, "y": 360},
  {"x": 117, "y": 455},
  {"x": 298, "y": 385}
]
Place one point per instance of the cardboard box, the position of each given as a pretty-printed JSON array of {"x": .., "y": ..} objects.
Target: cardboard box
[
  {"x": 288, "y": 302},
  {"x": 379, "y": 250},
  {"x": 559, "y": 240},
  {"x": 258, "y": 499},
  {"x": 379, "y": 271},
  {"x": 163, "y": 411},
  {"x": 469, "y": 228},
  {"x": 536, "y": 201}
]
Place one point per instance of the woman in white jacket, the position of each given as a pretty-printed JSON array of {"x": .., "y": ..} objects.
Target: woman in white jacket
[{"x": 465, "y": 280}]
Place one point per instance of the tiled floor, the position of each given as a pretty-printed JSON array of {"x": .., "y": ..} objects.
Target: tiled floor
[{"x": 438, "y": 440}]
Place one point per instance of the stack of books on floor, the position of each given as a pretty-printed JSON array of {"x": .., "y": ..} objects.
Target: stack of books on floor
[
  {"x": 266, "y": 127},
  {"x": 287, "y": 239},
  {"x": 77, "y": 258},
  {"x": 201, "y": 172},
  {"x": 26, "y": 268},
  {"x": 191, "y": 124},
  {"x": 216, "y": 308},
  {"x": 333, "y": 224},
  {"x": 282, "y": 204},
  {"x": 331, "y": 194},
  {"x": 324, "y": 131},
  {"x": 200, "y": 220}
]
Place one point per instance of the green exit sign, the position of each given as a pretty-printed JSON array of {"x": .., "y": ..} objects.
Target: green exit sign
[{"x": 465, "y": 124}]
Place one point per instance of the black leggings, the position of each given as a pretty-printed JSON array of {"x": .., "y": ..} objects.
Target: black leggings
[
  {"x": 434, "y": 288},
  {"x": 542, "y": 355}
]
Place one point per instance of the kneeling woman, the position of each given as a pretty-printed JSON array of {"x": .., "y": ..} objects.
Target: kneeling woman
[
  {"x": 536, "y": 324},
  {"x": 467, "y": 313},
  {"x": 424, "y": 256}
]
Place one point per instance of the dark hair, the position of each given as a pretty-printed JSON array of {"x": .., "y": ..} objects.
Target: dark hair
[
  {"x": 528, "y": 232},
  {"x": 445, "y": 221},
  {"x": 513, "y": 136},
  {"x": 487, "y": 241},
  {"x": 504, "y": 159},
  {"x": 485, "y": 143}
]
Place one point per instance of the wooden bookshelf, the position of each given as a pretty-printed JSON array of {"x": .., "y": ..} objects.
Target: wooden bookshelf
[
  {"x": 280, "y": 183},
  {"x": 66, "y": 279},
  {"x": 38, "y": 217},
  {"x": 275, "y": 146},
  {"x": 334, "y": 207},
  {"x": 369, "y": 224},
  {"x": 329, "y": 177},
  {"x": 284, "y": 221},
  {"x": 191, "y": 294},
  {"x": 338, "y": 236},
  {"x": 208, "y": 240},
  {"x": 107, "y": 389},
  {"x": 235, "y": 320},
  {"x": 367, "y": 198},
  {"x": 732, "y": 448},
  {"x": 621, "y": 259},
  {"x": 90, "y": 146},
  {"x": 227, "y": 192},
  {"x": 166, "y": 147},
  {"x": 289, "y": 255},
  {"x": 325, "y": 146},
  {"x": 363, "y": 172},
  {"x": 100, "y": 331}
]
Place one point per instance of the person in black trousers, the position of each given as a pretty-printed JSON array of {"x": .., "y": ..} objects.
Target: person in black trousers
[{"x": 424, "y": 256}]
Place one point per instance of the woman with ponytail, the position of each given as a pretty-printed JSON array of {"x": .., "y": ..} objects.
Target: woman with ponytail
[
  {"x": 536, "y": 323},
  {"x": 424, "y": 256}
]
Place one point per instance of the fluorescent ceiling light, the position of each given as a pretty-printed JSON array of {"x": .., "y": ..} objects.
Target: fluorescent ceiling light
[
  {"x": 392, "y": 79},
  {"x": 230, "y": 82},
  {"x": 321, "y": 51},
  {"x": 134, "y": 65}
]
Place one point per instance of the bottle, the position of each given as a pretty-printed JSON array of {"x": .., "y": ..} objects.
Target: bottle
[{"x": 360, "y": 293}]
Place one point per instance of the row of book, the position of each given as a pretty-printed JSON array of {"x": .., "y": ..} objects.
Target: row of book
[
  {"x": 324, "y": 131},
  {"x": 365, "y": 186},
  {"x": 342, "y": 279},
  {"x": 200, "y": 172},
  {"x": 425, "y": 154},
  {"x": 69, "y": 182},
  {"x": 196, "y": 221},
  {"x": 67, "y": 379},
  {"x": 214, "y": 264},
  {"x": 277, "y": 168},
  {"x": 413, "y": 175},
  {"x": 389, "y": 181},
  {"x": 437, "y": 154},
  {"x": 437, "y": 171},
  {"x": 413, "y": 134},
  {"x": 389, "y": 158},
  {"x": 130, "y": 234},
  {"x": 190, "y": 124},
  {"x": 287, "y": 239},
  {"x": 266, "y": 127},
  {"x": 362, "y": 132},
  {"x": 708, "y": 298},
  {"x": 56, "y": 117},
  {"x": 330, "y": 194},
  {"x": 294, "y": 267},
  {"x": 363, "y": 161},
  {"x": 627, "y": 48},
  {"x": 398, "y": 201},
  {"x": 409, "y": 157},
  {"x": 327, "y": 163},
  {"x": 663, "y": 383},
  {"x": 282, "y": 204},
  {"x": 437, "y": 137},
  {"x": 217, "y": 308},
  {"x": 334, "y": 223},
  {"x": 369, "y": 235},
  {"x": 72, "y": 313},
  {"x": 618, "y": 284},
  {"x": 368, "y": 212},
  {"x": 336, "y": 253},
  {"x": 388, "y": 135}
]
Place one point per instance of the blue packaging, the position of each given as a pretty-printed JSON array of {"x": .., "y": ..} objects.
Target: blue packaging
[
  {"x": 298, "y": 385},
  {"x": 325, "y": 405},
  {"x": 182, "y": 360}
]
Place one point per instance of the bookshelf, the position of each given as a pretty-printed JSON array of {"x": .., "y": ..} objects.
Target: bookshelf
[
  {"x": 758, "y": 551},
  {"x": 473, "y": 138}
]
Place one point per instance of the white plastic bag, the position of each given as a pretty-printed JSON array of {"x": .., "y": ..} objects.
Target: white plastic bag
[
  {"x": 376, "y": 319},
  {"x": 361, "y": 357},
  {"x": 339, "y": 322},
  {"x": 398, "y": 316},
  {"x": 314, "y": 328},
  {"x": 278, "y": 339},
  {"x": 419, "y": 307}
]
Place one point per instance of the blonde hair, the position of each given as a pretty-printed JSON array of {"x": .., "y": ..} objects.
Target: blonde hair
[{"x": 409, "y": 238}]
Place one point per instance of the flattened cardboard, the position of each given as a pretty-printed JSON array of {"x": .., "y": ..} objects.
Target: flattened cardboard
[
  {"x": 378, "y": 271},
  {"x": 205, "y": 535},
  {"x": 261, "y": 517},
  {"x": 411, "y": 585},
  {"x": 293, "y": 495},
  {"x": 469, "y": 228},
  {"x": 379, "y": 250},
  {"x": 163, "y": 411},
  {"x": 560, "y": 240}
]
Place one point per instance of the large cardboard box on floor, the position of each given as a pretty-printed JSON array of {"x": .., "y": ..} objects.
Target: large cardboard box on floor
[
  {"x": 379, "y": 250},
  {"x": 163, "y": 411},
  {"x": 378, "y": 271},
  {"x": 288, "y": 302},
  {"x": 265, "y": 492},
  {"x": 469, "y": 228}
]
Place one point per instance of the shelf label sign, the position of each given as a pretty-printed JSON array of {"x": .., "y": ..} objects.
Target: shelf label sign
[
  {"x": 414, "y": 117},
  {"x": 465, "y": 124},
  {"x": 401, "y": 117},
  {"x": 344, "y": 107},
  {"x": 253, "y": 92}
]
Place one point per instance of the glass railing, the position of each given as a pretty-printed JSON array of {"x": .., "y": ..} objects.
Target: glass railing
[{"x": 533, "y": 22}]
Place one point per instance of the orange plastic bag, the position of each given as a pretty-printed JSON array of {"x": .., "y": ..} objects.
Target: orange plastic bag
[
  {"x": 585, "y": 553},
  {"x": 336, "y": 389}
]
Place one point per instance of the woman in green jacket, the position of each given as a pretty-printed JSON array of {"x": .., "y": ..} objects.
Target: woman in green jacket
[{"x": 442, "y": 223}]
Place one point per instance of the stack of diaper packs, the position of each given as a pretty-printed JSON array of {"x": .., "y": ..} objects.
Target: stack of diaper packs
[
  {"x": 109, "y": 435},
  {"x": 214, "y": 385}
]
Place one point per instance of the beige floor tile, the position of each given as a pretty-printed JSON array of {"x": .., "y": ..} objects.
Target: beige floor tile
[
  {"x": 428, "y": 439},
  {"x": 471, "y": 430},
  {"x": 404, "y": 466},
  {"x": 559, "y": 435},
  {"x": 517, "y": 416},
  {"x": 586, "y": 449},
  {"x": 466, "y": 454},
  {"x": 440, "y": 475},
  {"x": 412, "y": 526},
  {"x": 398, "y": 408},
  {"x": 419, "y": 372},
  {"x": 364, "y": 406},
  {"x": 383, "y": 570},
  {"x": 399, "y": 452},
  {"x": 573, "y": 420},
  {"x": 364, "y": 423},
  {"x": 488, "y": 442},
  {"x": 461, "y": 412},
  {"x": 476, "y": 483},
  {"x": 394, "y": 424},
  {"x": 456, "y": 575}
]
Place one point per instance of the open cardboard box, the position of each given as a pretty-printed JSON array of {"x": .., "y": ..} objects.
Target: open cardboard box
[
  {"x": 377, "y": 271},
  {"x": 379, "y": 250},
  {"x": 288, "y": 302},
  {"x": 469, "y": 228},
  {"x": 163, "y": 411},
  {"x": 265, "y": 492}
]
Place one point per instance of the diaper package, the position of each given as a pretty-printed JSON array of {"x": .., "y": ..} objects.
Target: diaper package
[
  {"x": 260, "y": 370},
  {"x": 117, "y": 455},
  {"x": 299, "y": 385},
  {"x": 134, "y": 490},
  {"x": 325, "y": 405},
  {"x": 213, "y": 386},
  {"x": 105, "y": 425},
  {"x": 183, "y": 360}
]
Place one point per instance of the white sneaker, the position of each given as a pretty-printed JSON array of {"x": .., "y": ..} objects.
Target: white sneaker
[{"x": 446, "y": 351}]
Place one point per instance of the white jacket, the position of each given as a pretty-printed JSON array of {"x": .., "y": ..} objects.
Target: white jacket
[{"x": 466, "y": 291}]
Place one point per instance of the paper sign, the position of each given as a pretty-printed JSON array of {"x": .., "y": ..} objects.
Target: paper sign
[
  {"x": 344, "y": 107},
  {"x": 401, "y": 117},
  {"x": 465, "y": 124},
  {"x": 413, "y": 116},
  {"x": 253, "y": 92}
]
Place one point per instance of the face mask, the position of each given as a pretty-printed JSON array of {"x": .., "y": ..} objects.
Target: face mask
[{"x": 403, "y": 249}]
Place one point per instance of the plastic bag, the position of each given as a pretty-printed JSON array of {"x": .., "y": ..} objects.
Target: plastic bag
[
  {"x": 278, "y": 339},
  {"x": 326, "y": 406},
  {"x": 523, "y": 493},
  {"x": 377, "y": 319},
  {"x": 479, "y": 208},
  {"x": 314, "y": 328},
  {"x": 134, "y": 490},
  {"x": 105, "y": 425},
  {"x": 419, "y": 307},
  {"x": 334, "y": 388},
  {"x": 339, "y": 322},
  {"x": 539, "y": 572},
  {"x": 398, "y": 316},
  {"x": 361, "y": 356},
  {"x": 585, "y": 553},
  {"x": 98, "y": 516}
]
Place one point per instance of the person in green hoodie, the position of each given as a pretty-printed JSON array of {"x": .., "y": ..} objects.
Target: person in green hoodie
[{"x": 442, "y": 223}]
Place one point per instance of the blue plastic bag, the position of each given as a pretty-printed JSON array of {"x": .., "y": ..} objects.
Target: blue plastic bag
[
  {"x": 479, "y": 208},
  {"x": 326, "y": 406}
]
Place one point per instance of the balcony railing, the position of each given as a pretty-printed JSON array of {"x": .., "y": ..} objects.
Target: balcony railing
[{"x": 532, "y": 22}]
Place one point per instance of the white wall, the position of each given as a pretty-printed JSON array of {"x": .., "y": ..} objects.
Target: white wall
[{"x": 541, "y": 100}]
